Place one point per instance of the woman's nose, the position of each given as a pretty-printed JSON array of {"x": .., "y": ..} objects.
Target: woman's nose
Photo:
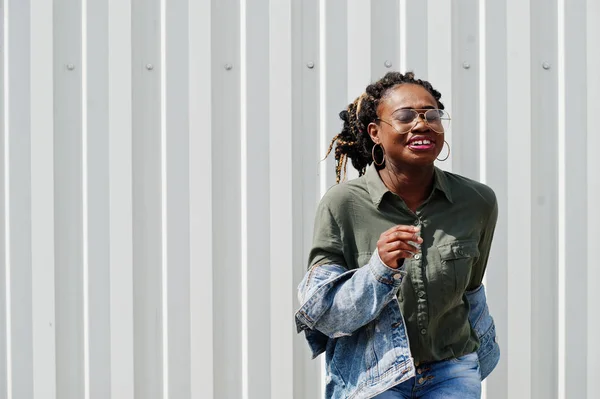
[{"x": 420, "y": 124}]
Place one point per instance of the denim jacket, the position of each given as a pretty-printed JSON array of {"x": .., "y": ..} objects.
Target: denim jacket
[{"x": 354, "y": 317}]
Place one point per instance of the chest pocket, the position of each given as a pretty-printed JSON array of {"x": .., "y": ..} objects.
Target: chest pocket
[{"x": 457, "y": 259}]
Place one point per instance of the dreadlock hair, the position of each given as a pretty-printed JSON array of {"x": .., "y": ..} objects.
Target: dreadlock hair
[{"x": 354, "y": 141}]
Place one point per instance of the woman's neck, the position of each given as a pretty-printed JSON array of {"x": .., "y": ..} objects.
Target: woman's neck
[{"x": 411, "y": 183}]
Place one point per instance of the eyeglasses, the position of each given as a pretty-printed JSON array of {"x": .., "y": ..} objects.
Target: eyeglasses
[{"x": 405, "y": 120}]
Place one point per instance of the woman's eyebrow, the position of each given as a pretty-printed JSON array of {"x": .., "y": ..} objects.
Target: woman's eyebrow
[{"x": 425, "y": 107}]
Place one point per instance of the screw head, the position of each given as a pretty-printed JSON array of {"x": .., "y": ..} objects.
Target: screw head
[
  {"x": 387, "y": 64},
  {"x": 228, "y": 67},
  {"x": 310, "y": 65},
  {"x": 70, "y": 67},
  {"x": 466, "y": 65},
  {"x": 545, "y": 65},
  {"x": 149, "y": 67}
]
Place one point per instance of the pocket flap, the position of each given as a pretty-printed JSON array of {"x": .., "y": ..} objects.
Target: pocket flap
[{"x": 459, "y": 250}]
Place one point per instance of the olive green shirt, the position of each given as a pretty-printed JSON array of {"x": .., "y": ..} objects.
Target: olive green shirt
[{"x": 457, "y": 225}]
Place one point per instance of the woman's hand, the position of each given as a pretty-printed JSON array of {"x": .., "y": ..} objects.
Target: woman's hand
[{"x": 398, "y": 243}]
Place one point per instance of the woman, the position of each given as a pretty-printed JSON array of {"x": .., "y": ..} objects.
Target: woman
[{"x": 393, "y": 293}]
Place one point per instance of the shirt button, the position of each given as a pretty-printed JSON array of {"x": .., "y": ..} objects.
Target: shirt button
[
  {"x": 421, "y": 294},
  {"x": 421, "y": 380},
  {"x": 417, "y": 256},
  {"x": 397, "y": 276},
  {"x": 424, "y": 331},
  {"x": 417, "y": 222}
]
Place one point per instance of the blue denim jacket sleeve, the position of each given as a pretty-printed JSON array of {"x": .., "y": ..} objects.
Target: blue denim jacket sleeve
[
  {"x": 485, "y": 328},
  {"x": 336, "y": 301}
]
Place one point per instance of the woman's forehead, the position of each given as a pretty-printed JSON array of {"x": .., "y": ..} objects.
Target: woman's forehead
[{"x": 407, "y": 96}]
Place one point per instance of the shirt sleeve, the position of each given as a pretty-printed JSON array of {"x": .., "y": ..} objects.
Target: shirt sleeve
[
  {"x": 327, "y": 245},
  {"x": 337, "y": 301}
]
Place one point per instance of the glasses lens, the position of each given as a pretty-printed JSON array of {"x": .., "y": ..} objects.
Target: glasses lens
[
  {"x": 405, "y": 115},
  {"x": 403, "y": 120},
  {"x": 438, "y": 120}
]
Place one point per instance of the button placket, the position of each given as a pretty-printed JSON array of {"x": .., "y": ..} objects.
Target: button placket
[{"x": 419, "y": 287}]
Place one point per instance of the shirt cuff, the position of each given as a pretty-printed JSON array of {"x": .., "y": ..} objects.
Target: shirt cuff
[{"x": 384, "y": 273}]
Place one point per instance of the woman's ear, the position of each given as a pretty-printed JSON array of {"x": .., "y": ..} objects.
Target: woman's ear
[{"x": 373, "y": 130}]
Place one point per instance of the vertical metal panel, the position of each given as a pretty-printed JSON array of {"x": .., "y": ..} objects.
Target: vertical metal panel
[
  {"x": 120, "y": 197},
  {"x": 19, "y": 199},
  {"x": 516, "y": 344},
  {"x": 544, "y": 209},
  {"x": 593, "y": 197},
  {"x": 226, "y": 198},
  {"x": 255, "y": 183},
  {"x": 335, "y": 64},
  {"x": 575, "y": 198},
  {"x": 4, "y": 369},
  {"x": 495, "y": 152},
  {"x": 310, "y": 116},
  {"x": 147, "y": 200},
  {"x": 201, "y": 205},
  {"x": 177, "y": 196},
  {"x": 68, "y": 191},
  {"x": 284, "y": 364},
  {"x": 305, "y": 191},
  {"x": 42, "y": 201},
  {"x": 385, "y": 37},
  {"x": 358, "y": 47},
  {"x": 439, "y": 55},
  {"x": 96, "y": 172},
  {"x": 413, "y": 37},
  {"x": 465, "y": 88}
]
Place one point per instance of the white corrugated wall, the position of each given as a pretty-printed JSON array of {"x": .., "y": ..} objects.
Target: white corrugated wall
[{"x": 161, "y": 166}]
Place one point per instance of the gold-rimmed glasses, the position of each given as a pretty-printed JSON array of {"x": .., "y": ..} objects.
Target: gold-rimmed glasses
[{"x": 404, "y": 120}]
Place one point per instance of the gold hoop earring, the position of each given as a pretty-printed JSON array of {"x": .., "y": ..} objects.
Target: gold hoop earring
[
  {"x": 447, "y": 156},
  {"x": 373, "y": 155}
]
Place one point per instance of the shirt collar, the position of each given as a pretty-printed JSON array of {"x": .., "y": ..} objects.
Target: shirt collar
[
  {"x": 377, "y": 189},
  {"x": 441, "y": 183}
]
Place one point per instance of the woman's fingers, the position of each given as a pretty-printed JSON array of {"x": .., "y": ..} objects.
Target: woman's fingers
[{"x": 401, "y": 241}]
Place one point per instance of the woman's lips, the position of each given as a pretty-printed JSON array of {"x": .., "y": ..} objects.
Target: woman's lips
[{"x": 421, "y": 144}]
